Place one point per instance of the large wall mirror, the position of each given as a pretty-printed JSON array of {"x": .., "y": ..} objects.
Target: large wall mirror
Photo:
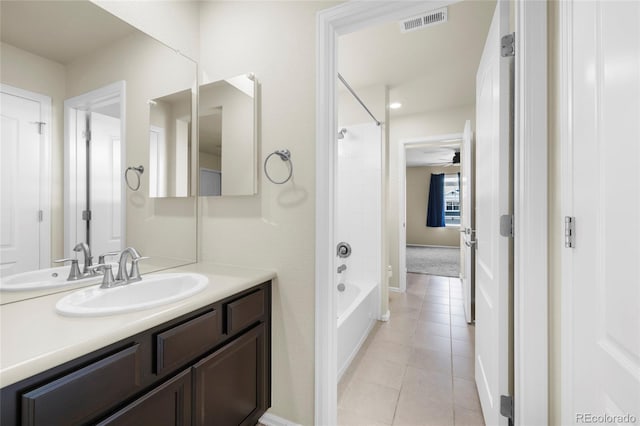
[
  {"x": 227, "y": 137},
  {"x": 82, "y": 92}
]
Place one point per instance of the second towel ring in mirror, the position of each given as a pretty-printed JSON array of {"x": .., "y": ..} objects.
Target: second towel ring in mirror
[{"x": 285, "y": 155}]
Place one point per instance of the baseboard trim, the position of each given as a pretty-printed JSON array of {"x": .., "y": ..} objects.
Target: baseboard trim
[
  {"x": 269, "y": 419},
  {"x": 395, "y": 289},
  {"x": 422, "y": 245}
]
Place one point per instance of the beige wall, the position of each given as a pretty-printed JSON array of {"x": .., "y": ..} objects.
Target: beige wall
[
  {"x": 417, "y": 195},
  {"x": 210, "y": 161},
  {"x": 410, "y": 127},
  {"x": 174, "y": 23},
  {"x": 34, "y": 73},
  {"x": 351, "y": 112},
  {"x": 276, "y": 228}
]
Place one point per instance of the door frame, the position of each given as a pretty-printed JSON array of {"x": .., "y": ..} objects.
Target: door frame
[
  {"x": 45, "y": 183},
  {"x": 530, "y": 199},
  {"x": 100, "y": 95},
  {"x": 403, "y": 144}
]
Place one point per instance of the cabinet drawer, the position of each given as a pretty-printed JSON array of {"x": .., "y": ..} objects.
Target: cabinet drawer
[
  {"x": 178, "y": 345},
  {"x": 82, "y": 395},
  {"x": 244, "y": 311},
  {"x": 167, "y": 405}
]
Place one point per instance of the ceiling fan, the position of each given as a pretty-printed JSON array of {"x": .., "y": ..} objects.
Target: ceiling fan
[{"x": 440, "y": 156}]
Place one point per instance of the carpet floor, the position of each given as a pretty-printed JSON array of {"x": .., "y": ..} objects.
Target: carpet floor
[{"x": 442, "y": 261}]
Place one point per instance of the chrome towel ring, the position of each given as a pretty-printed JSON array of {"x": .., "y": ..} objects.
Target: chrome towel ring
[
  {"x": 285, "y": 155},
  {"x": 138, "y": 172}
]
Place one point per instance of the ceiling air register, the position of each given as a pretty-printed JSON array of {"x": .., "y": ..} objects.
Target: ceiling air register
[{"x": 424, "y": 20}]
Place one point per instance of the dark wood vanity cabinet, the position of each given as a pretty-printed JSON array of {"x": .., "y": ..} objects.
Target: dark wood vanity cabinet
[
  {"x": 167, "y": 405},
  {"x": 209, "y": 367},
  {"x": 229, "y": 389}
]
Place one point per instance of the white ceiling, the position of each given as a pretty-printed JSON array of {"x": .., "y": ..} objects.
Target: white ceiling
[
  {"x": 50, "y": 28},
  {"x": 432, "y": 154},
  {"x": 429, "y": 69}
]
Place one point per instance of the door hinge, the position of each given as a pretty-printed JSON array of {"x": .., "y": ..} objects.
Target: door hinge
[
  {"x": 508, "y": 45},
  {"x": 40, "y": 215},
  {"x": 506, "y": 225},
  {"x": 40, "y": 125},
  {"x": 569, "y": 232},
  {"x": 87, "y": 135},
  {"x": 506, "y": 407},
  {"x": 86, "y": 215}
]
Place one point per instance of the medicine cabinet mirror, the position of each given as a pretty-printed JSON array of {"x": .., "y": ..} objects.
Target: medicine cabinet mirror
[
  {"x": 227, "y": 137},
  {"x": 170, "y": 145}
]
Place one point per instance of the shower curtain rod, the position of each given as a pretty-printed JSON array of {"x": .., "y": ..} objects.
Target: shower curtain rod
[{"x": 357, "y": 98}]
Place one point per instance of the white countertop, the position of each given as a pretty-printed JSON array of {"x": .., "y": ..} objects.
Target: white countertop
[{"x": 34, "y": 338}]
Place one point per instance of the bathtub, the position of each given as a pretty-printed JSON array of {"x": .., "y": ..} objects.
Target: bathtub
[{"x": 357, "y": 313}]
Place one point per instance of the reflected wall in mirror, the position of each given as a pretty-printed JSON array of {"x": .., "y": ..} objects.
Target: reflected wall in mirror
[
  {"x": 75, "y": 116},
  {"x": 170, "y": 145},
  {"x": 227, "y": 137}
]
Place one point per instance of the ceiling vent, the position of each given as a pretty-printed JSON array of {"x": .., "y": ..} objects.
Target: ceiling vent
[{"x": 424, "y": 20}]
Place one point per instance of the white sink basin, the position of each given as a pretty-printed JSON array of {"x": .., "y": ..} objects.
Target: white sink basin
[
  {"x": 42, "y": 279},
  {"x": 154, "y": 290}
]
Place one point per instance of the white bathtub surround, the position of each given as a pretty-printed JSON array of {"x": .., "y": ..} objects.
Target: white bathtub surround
[
  {"x": 359, "y": 201},
  {"x": 359, "y": 223},
  {"x": 357, "y": 311}
]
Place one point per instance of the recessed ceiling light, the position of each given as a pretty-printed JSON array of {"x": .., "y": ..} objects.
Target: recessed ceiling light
[{"x": 395, "y": 105}]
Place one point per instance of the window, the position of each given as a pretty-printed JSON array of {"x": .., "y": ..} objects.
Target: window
[{"x": 452, "y": 199}]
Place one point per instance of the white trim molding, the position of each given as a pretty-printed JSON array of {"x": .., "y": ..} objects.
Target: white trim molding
[
  {"x": 401, "y": 190},
  {"x": 531, "y": 366},
  {"x": 530, "y": 202},
  {"x": 565, "y": 94}
]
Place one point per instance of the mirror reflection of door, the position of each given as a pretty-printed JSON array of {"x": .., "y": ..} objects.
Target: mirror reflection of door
[
  {"x": 24, "y": 159},
  {"x": 94, "y": 186}
]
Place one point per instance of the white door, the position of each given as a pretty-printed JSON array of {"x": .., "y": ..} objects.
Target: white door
[
  {"x": 492, "y": 201},
  {"x": 601, "y": 282},
  {"x": 466, "y": 230},
  {"x": 94, "y": 178},
  {"x": 22, "y": 170},
  {"x": 105, "y": 184}
]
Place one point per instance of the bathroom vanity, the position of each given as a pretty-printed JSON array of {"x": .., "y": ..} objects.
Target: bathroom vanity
[{"x": 203, "y": 361}]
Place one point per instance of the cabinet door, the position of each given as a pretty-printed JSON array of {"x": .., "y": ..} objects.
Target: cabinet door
[
  {"x": 167, "y": 405},
  {"x": 230, "y": 384}
]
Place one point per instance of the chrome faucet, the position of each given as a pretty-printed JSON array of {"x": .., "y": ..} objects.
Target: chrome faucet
[
  {"x": 88, "y": 259},
  {"x": 134, "y": 273},
  {"x": 342, "y": 268},
  {"x": 123, "y": 276},
  {"x": 87, "y": 270}
]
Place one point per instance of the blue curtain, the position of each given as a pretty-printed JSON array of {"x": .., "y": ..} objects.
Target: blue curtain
[{"x": 435, "y": 206}]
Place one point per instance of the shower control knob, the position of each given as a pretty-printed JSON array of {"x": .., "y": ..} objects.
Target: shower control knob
[{"x": 343, "y": 250}]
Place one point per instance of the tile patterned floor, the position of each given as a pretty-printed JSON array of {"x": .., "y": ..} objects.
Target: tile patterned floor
[{"x": 416, "y": 369}]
